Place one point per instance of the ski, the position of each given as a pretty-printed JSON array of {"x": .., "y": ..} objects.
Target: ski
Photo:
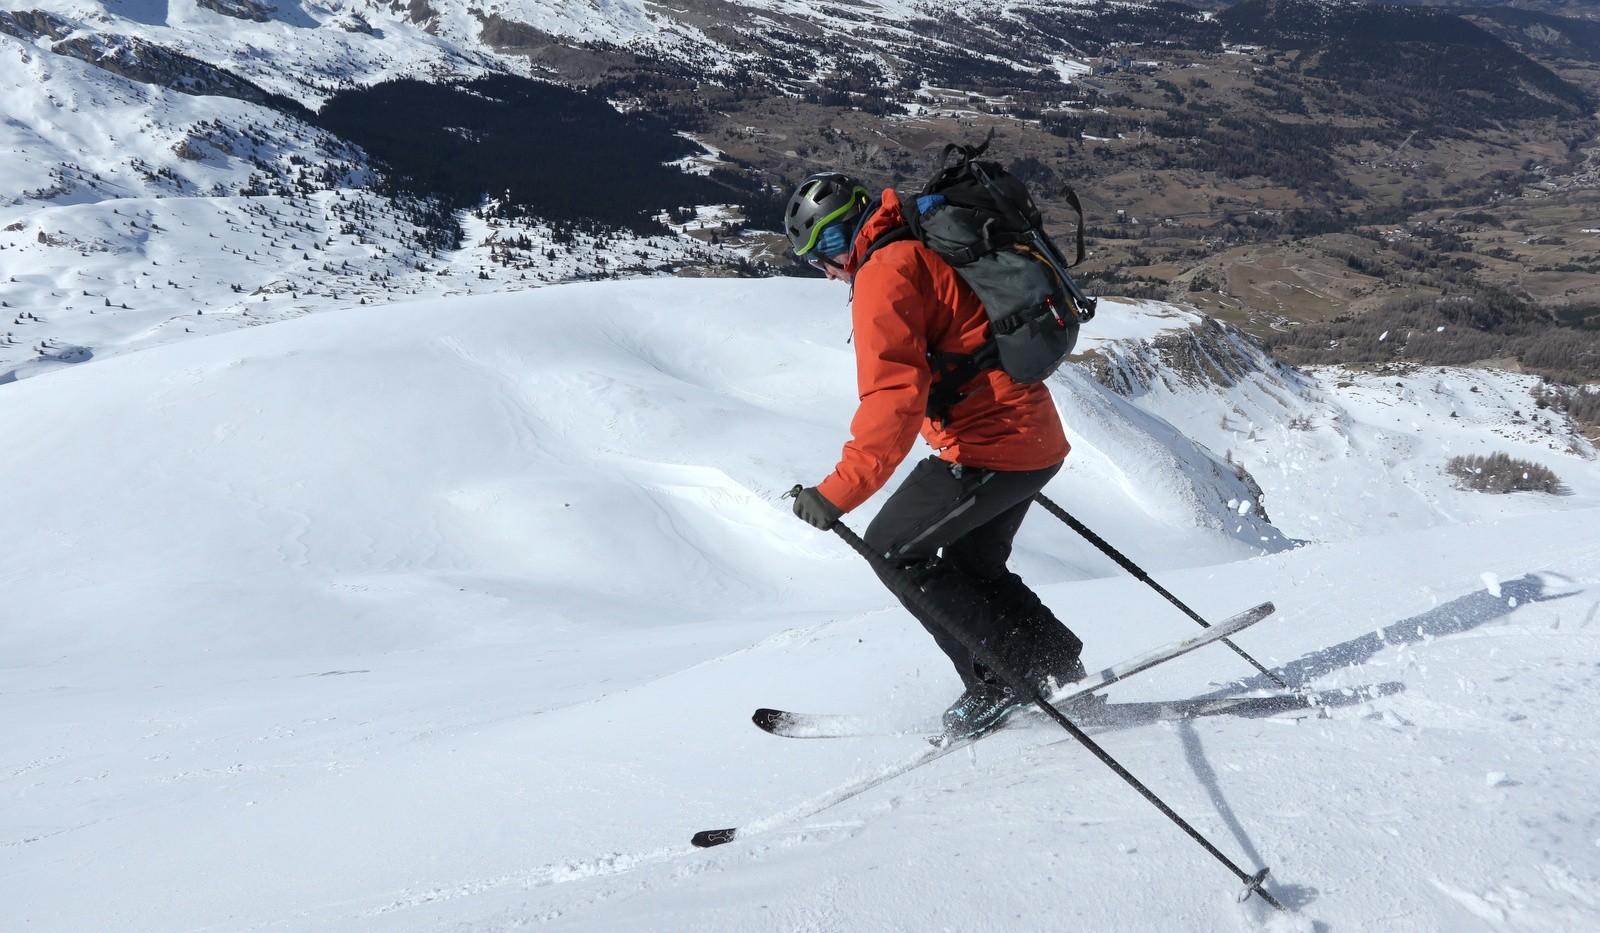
[
  {"x": 793, "y": 725},
  {"x": 715, "y": 837},
  {"x": 1139, "y": 713},
  {"x": 816, "y": 726},
  {"x": 1102, "y": 679},
  {"x": 1098, "y": 715},
  {"x": 707, "y": 838}
]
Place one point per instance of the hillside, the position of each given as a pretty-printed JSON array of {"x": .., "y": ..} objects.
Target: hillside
[
  {"x": 1569, "y": 9},
  {"x": 452, "y": 614},
  {"x": 1245, "y": 160}
]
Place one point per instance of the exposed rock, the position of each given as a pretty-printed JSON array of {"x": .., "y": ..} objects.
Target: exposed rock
[
  {"x": 31, "y": 24},
  {"x": 355, "y": 22},
  {"x": 241, "y": 9},
  {"x": 1211, "y": 353},
  {"x": 148, "y": 63}
]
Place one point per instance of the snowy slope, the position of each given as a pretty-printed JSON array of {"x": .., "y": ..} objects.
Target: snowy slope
[
  {"x": 302, "y": 50},
  {"x": 451, "y": 615},
  {"x": 1342, "y": 453}
]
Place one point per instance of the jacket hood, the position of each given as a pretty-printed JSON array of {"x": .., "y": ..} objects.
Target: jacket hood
[{"x": 886, "y": 215}]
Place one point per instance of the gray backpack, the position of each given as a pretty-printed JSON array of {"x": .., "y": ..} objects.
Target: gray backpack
[{"x": 982, "y": 220}]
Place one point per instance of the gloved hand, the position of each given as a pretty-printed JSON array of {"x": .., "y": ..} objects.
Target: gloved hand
[{"x": 813, "y": 508}]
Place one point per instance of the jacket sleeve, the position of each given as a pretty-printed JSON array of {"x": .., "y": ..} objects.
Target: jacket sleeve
[{"x": 889, "y": 312}]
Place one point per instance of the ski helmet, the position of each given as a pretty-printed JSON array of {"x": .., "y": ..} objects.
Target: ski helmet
[{"x": 820, "y": 200}]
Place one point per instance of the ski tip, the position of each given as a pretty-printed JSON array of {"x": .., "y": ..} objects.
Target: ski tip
[
  {"x": 770, "y": 720},
  {"x": 707, "y": 838}
]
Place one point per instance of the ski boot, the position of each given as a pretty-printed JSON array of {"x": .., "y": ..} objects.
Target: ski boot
[
  {"x": 1056, "y": 677},
  {"x": 982, "y": 708}
]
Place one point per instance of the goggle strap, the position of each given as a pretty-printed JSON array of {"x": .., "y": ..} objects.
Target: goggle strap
[{"x": 858, "y": 198}]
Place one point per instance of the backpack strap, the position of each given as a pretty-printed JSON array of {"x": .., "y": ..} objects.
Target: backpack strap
[
  {"x": 1073, "y": 202},
  {"x": 968, "y": 153},
  {"x": 906, "y": 231},
  {"x": 951, "y": 371}
]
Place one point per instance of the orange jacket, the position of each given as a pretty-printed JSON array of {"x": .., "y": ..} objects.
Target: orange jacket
[{"x": 908, "y": 300}]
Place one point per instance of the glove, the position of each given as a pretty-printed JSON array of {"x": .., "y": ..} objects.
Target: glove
[{"x": 813, "y": 508}]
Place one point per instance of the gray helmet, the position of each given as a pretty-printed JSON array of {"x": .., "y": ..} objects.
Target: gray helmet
[{"x": 819, "y": 201}]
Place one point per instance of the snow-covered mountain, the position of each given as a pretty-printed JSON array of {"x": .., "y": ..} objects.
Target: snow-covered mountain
[
  {"x": 300, "y": 51},
  {"x": 304, "y": 50},
  {"x": 451, "y": 615},
  {"x": 162, "y": 177}
]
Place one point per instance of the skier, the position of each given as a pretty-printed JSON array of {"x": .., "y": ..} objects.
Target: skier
[{"x": 948, "y": 529}]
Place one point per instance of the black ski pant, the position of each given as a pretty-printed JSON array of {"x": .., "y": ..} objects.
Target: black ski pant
[{"x": 948, "y": 531}]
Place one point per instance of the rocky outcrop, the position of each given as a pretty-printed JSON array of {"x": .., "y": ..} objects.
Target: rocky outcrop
[
  {"x": 1208, "y": 354},
  {"x": 138, "y": 59},
  {"x": 241, "y": 9},
  {"x": 28, "y": 25}
]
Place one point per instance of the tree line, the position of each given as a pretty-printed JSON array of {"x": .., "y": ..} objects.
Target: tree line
[{"x": 561, "y": 154}]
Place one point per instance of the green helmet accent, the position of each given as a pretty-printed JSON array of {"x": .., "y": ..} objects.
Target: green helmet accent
[{"x": 819, "y": 201}]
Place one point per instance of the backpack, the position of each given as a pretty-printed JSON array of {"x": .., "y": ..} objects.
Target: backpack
[{"x": 982, "y": 220}]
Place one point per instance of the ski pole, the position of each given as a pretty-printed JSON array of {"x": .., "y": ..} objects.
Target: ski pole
[
  {"x": 1253, "y": 883},
  {"x": 1131, "y": 567}
]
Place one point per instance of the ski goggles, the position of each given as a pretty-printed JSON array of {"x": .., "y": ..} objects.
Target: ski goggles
[
  {"x": 823, "y": 264},
  {"x": 832, "y": 242}
]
